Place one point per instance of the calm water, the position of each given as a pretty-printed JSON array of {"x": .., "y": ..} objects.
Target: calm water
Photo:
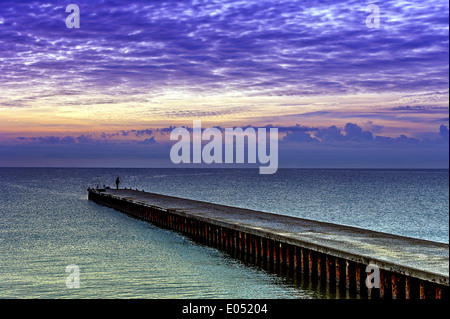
[{"x": 47, "y": 223}]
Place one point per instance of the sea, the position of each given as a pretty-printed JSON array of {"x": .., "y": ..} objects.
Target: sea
[{"x": 48, "y": 224}]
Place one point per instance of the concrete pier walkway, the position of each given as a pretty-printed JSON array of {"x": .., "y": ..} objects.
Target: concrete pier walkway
[{"x": 409, "y": 268}]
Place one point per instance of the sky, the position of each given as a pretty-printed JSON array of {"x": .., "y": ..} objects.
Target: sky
[{"x": 109, "y": 93}]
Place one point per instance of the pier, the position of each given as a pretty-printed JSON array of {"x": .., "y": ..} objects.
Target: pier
[{"x": 333, "y": 255}]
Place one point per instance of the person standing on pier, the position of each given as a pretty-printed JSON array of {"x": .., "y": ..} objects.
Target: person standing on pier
[{"x": 117, "y": 182}]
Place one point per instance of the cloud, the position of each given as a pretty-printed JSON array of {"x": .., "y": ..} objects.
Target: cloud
[
  {"x": 126, "y": 53},
  {"x": 350, "y": 134},
  {"x": 149, "y": 141},
  {"x": 443, "y": 132},
  {"x": 276, "y": 47},
  {"x": 355, "y": 133},
  {"x": 299, "y": 137},
  {"x": 143, "y": 132},
  {"x": 331, "y": 134},
  {"x": 300, "y": 146},
  {"x": 87, "y": 139},
  {"x": 49, "y": 140}
]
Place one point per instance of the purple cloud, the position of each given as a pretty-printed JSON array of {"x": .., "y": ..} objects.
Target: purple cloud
[
  {"x": 443, "y": 132},
  {"x": 278, "y": 47}
]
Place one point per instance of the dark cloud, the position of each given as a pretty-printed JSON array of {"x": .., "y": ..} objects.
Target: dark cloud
[
  {"x": 350, "y": 134},
  {"x": 85, "y": 139},
  {"x": 143, "y": 132},
  {"x": 149, "y": 141},
  {"x": 355, "y": 133},
  {"x": 300, "y": 146},
  {"x": 401, "y": 140},
  {"x": 421, "y": 109},
  {"x": 48, "y": 140},
  {"x": 103, "y": 139},
  {"x": 411, "y": 114},
  {"x": 332, "y": 134},
  {"x": 299, "y": 137},
  {"x": 443, "y": 132}
]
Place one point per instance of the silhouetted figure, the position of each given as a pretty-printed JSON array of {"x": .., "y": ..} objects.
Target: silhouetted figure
[{"x": 117, "y": 182}]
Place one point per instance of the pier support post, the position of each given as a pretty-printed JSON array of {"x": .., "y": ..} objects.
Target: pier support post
[
  {"x": 225, "y": 239},
  {"x": 257, "y": 246},
  {"x": 282, "y": 254},
  {"x": 264, "y": 256},
  {"x": 321, "y": 266},
  {"x": 340, "y": 266},
  {"x": 271, "y": 253},
  {"x": 250, "y": 247},
  {"x": 312, "y": 256},
  {"x": 246, "y": 248},
  {"x": 360, "y": 279},
  {"x": 385, "y": 285},
  {"x": 286, "y": 257},
  {"x": 305, "y": 262},
  {"x": 235, "y": 242},
  {"x": 230, "y": 241},
  {"x": 277, "y": 257},
  {"x": 296, "y": 259},
  {"x": 350, "y": 276},
  {"x": 261, "y": 250},
  {"x": 221, "y": 243},
  {"x": 439, "y": 293},
  {"x": 209, "y": 235},
  {"x": 422, "y": 290},
  {"x": 217, "y": 237},
  {"x": 242, "y": 245},
  {"x": 408, "y": 288},
  {"x": 331, "y": 269}
]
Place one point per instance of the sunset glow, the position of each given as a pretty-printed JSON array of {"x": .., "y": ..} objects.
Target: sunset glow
[{"x": 154, "y": 65}]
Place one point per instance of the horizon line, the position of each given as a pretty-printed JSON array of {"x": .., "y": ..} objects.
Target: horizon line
[{"x": 222, "y": 168}]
